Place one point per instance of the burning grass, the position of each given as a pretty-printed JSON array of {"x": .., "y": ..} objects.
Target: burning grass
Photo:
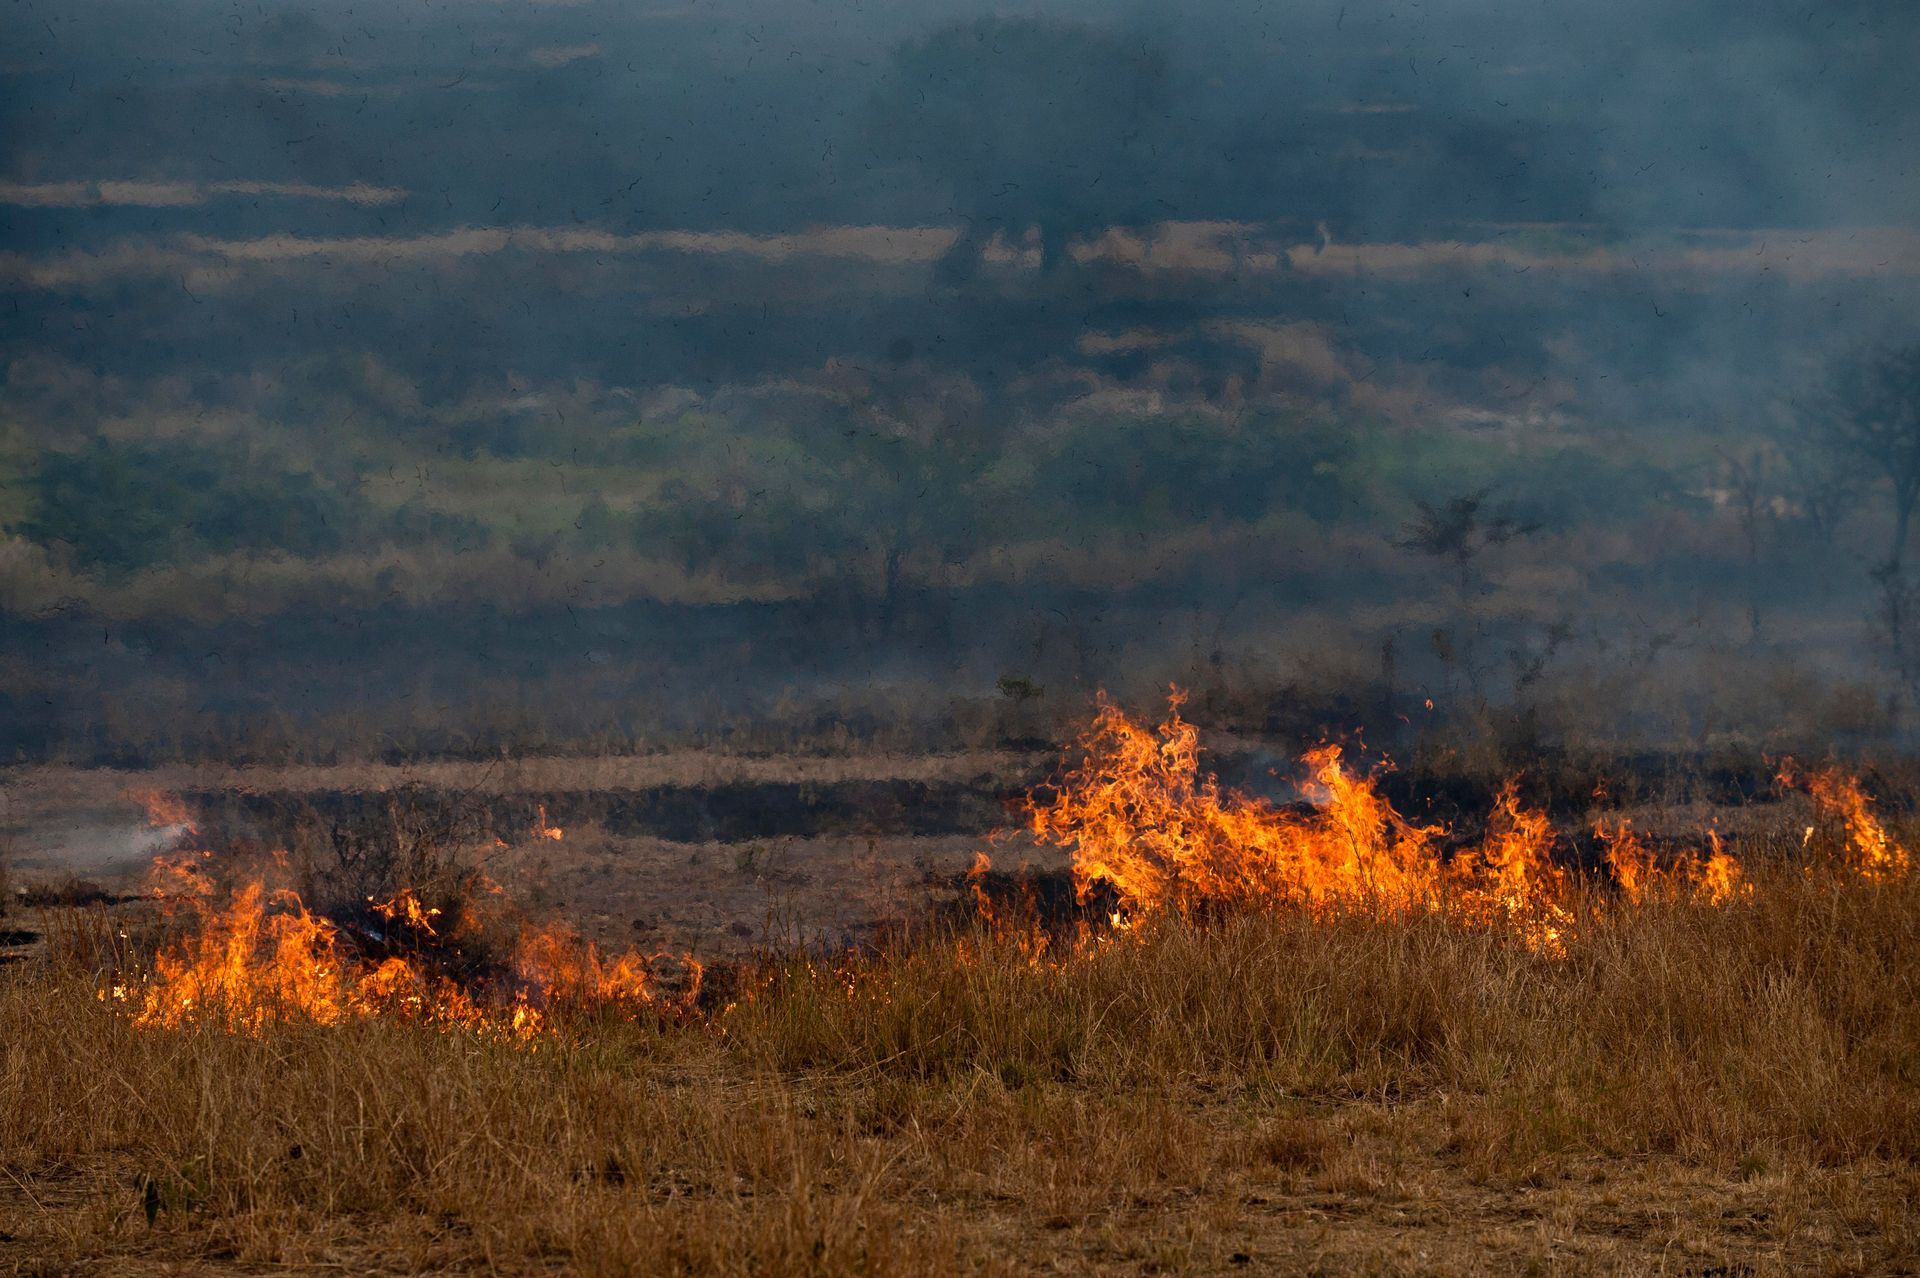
[
  {"x": 249, "y": 956},
  {"x": 1361, "y": 1050}
]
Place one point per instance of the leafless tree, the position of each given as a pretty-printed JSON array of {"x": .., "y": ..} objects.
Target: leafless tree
[
  {"x": 1871, "y": 416},
  {"x": 1821, "y": 485},
  {"x": 1751, "y": 479},
  {"x": 1460, "y": 530}
]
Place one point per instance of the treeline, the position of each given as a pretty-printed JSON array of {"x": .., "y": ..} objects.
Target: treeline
[{"x": 798, "y": 499}]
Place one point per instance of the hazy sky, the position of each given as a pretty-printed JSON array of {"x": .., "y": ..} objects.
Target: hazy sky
[
  {"x": 370, "y": 119},
  {"x": 157, "y": 152},
  {"x": 725, "y": 300}
]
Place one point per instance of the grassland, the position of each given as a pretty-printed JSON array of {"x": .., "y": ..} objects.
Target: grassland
[{"x": 1690, "y": 1090}]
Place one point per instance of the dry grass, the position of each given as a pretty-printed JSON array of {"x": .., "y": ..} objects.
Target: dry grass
[
  {"x": 1691, "y": 1090},
  {"x": 43, "y": 790}
]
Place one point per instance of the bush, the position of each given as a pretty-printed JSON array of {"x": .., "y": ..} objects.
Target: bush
[{"x": 128, "y": 506}]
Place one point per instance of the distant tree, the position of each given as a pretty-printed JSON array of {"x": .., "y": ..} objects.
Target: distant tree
[
  {"x": 908, "y": 483},
  {"x": 1461, "y": 528},
  {"x": 1821, "y": 485},
  {"x": 1028, "y": 122},
  {"x": 123, "y": 507},
  {"x": 597, "y": 527},
  {"x": 1750, "y": 478},
  {"x": 1871, "y": 417},
  {"x": 1459, "y": 531}
]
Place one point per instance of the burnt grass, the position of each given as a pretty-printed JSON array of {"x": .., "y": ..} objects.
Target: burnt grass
[
  {"x": 723, "y": 813},
  {"x": 1456, "y": 800}
]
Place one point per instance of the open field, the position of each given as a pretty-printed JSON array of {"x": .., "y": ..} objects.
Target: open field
[{"x": 886, "y": 1072}]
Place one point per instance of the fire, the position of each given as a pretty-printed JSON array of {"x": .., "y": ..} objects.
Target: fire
[
  {"x": 1138, "y": 817},
  {"x": 541, "y": 830},
  {"x": 248, "y": 963},
  {"x": 178, "y": 876},
  {"x": 1630, "y": 861},
  {"x": 1719, "y": 878},
  {"x": 1714, "y": 879},
  {"x": 263, "y": 956},
  {"x": 976, "y": 883},
  {"x": 565, "y": 969},
  {"x": 1144, "y": 826},
  {"x": 1868, "y": 849},
  {"x": 407, "y": 910},
  {"x": 164, "y": 811},
  {"x": 1510, "y": 878}
]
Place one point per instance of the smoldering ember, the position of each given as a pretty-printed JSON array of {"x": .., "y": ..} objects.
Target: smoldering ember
[{"x": 1075, "y": 636}]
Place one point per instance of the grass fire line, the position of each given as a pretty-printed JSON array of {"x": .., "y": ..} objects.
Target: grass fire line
[{"x": 1140, "y": 819}]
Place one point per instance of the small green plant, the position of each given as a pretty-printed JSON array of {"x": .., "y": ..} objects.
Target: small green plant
[{"x": 1019, "y": 688}]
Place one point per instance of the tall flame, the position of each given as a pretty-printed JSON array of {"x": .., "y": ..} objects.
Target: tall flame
[
  {"x": 1869, "y": 850},
  {"x": 1137, "y": 815},
  {"x": 1714, "y": 879},
  {"x": 1510, "y": 878}
]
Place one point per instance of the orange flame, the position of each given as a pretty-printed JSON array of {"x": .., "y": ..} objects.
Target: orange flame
[
  {"x": 976, "y": 882},
  {"x": 163, "y": 809},
  {"x": 406, "y": 908},
  {"x": 1714, "y": 879},
  {"x": 1867, "y": 848},
  {"x": 263, "y": 957},
  {"x": 1510, "y": 877},
  {"x": 541, "y": 830},
  {"x": 1138, "y": 817},
  {"x": 1719, "y": 878},
  {"x": 178, "y": 876},
  {"x": 247, "y": 964},
  {"x": 1629, "y": 860}
]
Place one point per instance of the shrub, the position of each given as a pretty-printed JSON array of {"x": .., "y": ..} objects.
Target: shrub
[{"x": 124, "y": 506}]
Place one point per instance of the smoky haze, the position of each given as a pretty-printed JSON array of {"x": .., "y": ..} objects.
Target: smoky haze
[{"x": 542, "y": 376}]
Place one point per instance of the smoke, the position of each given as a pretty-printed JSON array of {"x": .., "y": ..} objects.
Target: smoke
[
  {"x": 570, "y": 318},
  {"x": 89, "y": 844}
]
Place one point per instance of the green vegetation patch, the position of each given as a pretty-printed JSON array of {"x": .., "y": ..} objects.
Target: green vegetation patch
[{"x": 126, "y": 506}]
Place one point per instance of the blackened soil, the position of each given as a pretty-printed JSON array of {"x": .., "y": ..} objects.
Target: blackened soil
[
  {"x": 726, "y": 813},
  {"x": 739, "y": 812}
]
